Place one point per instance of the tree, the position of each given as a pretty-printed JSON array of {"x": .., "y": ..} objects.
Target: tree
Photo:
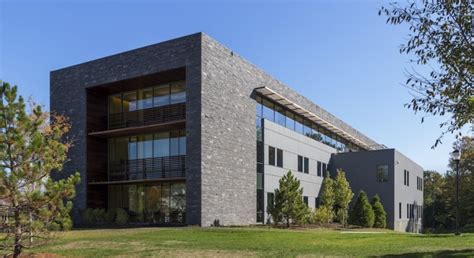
[
  {"x": 433, "y": 195},
  {"x": 362, "y": 213},
  {"x": 32, "y": 146},
  {"x": 288, "y": 204},
  {"x": 343, "y": 196},
  {"x": 328, "y": 197},
  {"x": 380, "y": 219},
  {"x": 440, "y": 39}
]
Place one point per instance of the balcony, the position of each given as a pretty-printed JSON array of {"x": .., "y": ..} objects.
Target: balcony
[
  {"x": 148, "y": 169},
  {"x": 149, "y": 116}
]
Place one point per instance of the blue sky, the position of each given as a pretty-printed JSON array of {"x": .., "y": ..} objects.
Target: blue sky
[{"x": 340, "y": 54}]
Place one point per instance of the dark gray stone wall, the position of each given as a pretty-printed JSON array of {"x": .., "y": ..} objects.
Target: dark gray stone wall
[{"x": 68, "y": 96}]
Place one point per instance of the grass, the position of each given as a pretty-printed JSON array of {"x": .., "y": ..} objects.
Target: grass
[{"x": 263, "y": 242}]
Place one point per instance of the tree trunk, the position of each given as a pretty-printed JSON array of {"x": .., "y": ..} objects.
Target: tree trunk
[{"x": 17, "y": 244}]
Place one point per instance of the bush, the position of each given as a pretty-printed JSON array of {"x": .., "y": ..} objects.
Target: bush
[
  {"x": 122, "y": 217},
  {"x": 88, "y": 217},
  {"x": 380, "y": 220},
  {"x": 321, "y": 216},
  {"x": 99, "y": 215},
  {"x": 468, "y": 228},
  {"x": 362, "y": 213},
  {"x": 110, "y": 216}
]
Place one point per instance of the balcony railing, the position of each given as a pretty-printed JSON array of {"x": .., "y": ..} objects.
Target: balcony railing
[
  {"x": 151, "y": 168},
  {"x": 147, "y": 116}
]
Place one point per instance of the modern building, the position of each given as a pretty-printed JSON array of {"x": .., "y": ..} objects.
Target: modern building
[{"x": 188, "y": 132}]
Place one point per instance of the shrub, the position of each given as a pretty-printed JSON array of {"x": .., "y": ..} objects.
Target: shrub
[
  {"x": 362, "y": 213},
  {"x": 380, "y": 220},
  {"x": 321, "y": 215},
  {"x": 110, "y": 216},
  {"x": 122, "y": 217},
  {"x": 99, "y": 215},
  {"x": 468, "y": 228},
  {"x": 343, "y": 196},
  {"x": 88, "y": 217}
]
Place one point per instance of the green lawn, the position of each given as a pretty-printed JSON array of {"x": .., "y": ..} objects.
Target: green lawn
[{"x": 267, "y": 242}]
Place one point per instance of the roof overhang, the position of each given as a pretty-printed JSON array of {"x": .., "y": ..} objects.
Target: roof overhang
[{"x": 280, "y": 99}]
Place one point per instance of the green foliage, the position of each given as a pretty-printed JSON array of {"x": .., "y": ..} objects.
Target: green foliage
[
  {"x": 343, "y": 195},
  {"x": 321, "y": 215},
  {"x": 88, "y": 217},
  {"x": 440, "y": 39},
  {"x": 362, "y": 213},
  {"x": 380, "y": 220},
  {"x": 122, "y": 217},
  {"x": 288, "y": 204},
  {"x": 440, "y": 191},
  {"x": 328, "y": 198},
  {"x": 32, "y": 147},
  {"x": 99, "y": 215},
  {"x": 110, "y": 216}
]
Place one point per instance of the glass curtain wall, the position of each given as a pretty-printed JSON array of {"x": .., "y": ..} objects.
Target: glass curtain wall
[
  {"x": 150, "y": 203},
  {"x": 276, "y": 113},
  {"x": 161, "y": 95}
]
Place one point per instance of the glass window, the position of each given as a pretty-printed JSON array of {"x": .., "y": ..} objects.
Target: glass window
[
  {"x": 174, "y": 143},
  {"x": 268, "y": 110},
  {"x": 299, "y": 124},
  {"x": 161, "y": 95},
  {"x": 382, "y": 173},
  {"x": 307, "y": 128},
  {"x": 165, "y": 203},
  {"x": 145, "y": 98},
  {"x": 178, "y": 203},
  {"x": 260, "y": 152},
  {"x": 132, "y": 148},
  {"x": 271, "y": 155},
  {"x": 145, "y": 146},
  {"x": 319, "y": 168},
  {"x": 182, "y": 142},
  {"x": 290, "y": 120},
  {"x": 324, "y": 170},
  {"x": 161, "y": 144},
  {"x": 259, "y": 106},
  {"x": 305, "y": 200},
  {"x": 259, "y": 181},
  {"x": 306, "y": 166},
  {"x": 130, "y": 101},
  {"x": 152, "y": 203},
  {"x": 315, "y": 133},
  {"x": 270, "y": 201},
  {"x": 300, "y": 163},
  {"x": 178, "y": 92},
  {"x": 279, "y": 158},
  {"x": 317, "y": 202},
  {"x": 399, "y": 210},
  {"x": 279, "y": 115},
  {"x": 258, "y": 122},
  {"x": 115, "y": 104}
]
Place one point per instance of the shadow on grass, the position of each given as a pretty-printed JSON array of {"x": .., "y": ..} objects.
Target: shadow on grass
[{"x": 444, "y": 253}]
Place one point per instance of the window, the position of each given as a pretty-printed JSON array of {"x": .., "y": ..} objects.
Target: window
[
  {"x": 259, "y": 181},
  {"x": 408, "y": 178},
  {"x": 382, "y": 173},
  {"x": 279, "y": 115},
  {"x": 145, "y": 98},
  {"x": 268, "y": 110},
  {"x": 419, "y": 183},
  {"x": 130, "y": 101},
  {"x": 115, "y": 104},
  {"x": 300, "y": 163},
  {"x": 271, "y": 155},
  {"x": 290, "y": 120},
  {"x": 319, "y": 168},
  {"x": 299, "y": 124},
  {"x": 305, "y": 200},
  {"x": 316, "y": 202},
  {"x": 270, "y": 200},
  {"x": 399, "y": 210},
  {"x": 161, "y": 95},
  {"x": 324, "y": 169},
  {"x": 279, "y": 158},
  {"x": 408, "y": 210},
  {"x": 306, "y": 166},
  {"x": 178, "y": 92},
  {"x": 259, "y": 106}
]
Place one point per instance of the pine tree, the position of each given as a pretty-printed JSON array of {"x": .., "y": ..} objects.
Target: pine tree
[
  {"x": 380, "y": 220},
  {"x": 328, "y": 197},
  {"x": 362, "y": 213},
  {"x": 288, "y": 204},
  {"x": 32, "y": 145},
  {"x": 343, "y": 196}
]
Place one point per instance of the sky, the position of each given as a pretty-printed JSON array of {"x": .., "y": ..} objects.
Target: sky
[{"x": 339, "y": 54}]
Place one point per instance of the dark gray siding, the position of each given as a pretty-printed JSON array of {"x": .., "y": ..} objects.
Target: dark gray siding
[{"x": 360, "y": 169}]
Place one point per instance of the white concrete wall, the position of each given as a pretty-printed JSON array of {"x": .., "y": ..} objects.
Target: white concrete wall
[{"x": 293, "y": 144}]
